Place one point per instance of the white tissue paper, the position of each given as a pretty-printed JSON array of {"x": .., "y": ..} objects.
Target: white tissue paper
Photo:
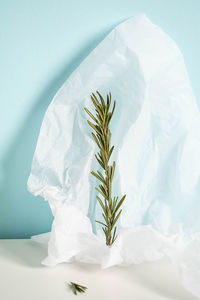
[{"x": 156, "y": 133}]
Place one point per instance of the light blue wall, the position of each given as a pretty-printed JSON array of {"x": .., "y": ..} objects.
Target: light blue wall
[{"x": 41, "y": 43}]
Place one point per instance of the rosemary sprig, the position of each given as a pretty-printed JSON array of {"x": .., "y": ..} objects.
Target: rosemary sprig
[
  {"x": 77, "y": 288},
  {"x": 111, "y": 207}
]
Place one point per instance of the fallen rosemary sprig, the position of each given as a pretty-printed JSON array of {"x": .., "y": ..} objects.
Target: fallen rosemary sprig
[
  {"x": 77, "y": 288},
  {"x": 102, "y": 137}
]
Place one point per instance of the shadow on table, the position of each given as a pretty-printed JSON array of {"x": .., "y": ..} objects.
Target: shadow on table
[
  {"x": 30, "y": 254},
  {"x": 26, "y": 253},
  {"x": 160, "y": 278}
]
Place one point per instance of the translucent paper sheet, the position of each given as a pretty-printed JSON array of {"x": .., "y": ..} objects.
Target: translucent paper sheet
[{"x": 156, "y": 133}]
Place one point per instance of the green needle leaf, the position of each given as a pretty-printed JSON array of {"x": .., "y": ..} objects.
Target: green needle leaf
[
  {"x": 119, "y": 204},
  {"x": 114, "y": 233},
  {"x": 102, "y": 205},
  {"x": 117, "y": 217},
  {"x": 98, "y": 177},
  {"x": 102, "y": 223},
  {"x": 110, "y": 152},
  {"x": 99, "y": 161},
  {"x": 105, "y": 196},
  {"x": 95, "y": 127},
  {"x": 91, "y": 115},
  {"x": 101, "y": 98},
  {"x": 113, "y": 108}
]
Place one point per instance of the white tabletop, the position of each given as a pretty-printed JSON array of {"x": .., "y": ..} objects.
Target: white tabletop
[{"x": 23, "y": 277}]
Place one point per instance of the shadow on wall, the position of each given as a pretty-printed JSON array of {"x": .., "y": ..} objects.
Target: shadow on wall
[{"x": 21, "y": 214}]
